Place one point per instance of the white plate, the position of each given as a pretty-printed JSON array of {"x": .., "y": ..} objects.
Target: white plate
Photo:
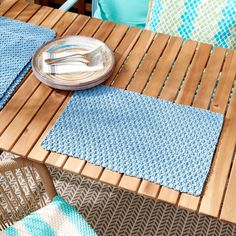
[{"x": 74, "y": 81}]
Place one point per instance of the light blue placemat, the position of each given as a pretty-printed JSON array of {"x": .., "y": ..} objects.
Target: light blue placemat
[
  {"x": 18, "y": 42},
  {"x": 141, "y": 136}
]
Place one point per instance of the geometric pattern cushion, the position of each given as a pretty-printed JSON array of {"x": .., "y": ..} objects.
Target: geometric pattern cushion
[
  {"x": 208, "y": 21},
  {"x": 58, "y": 218}
]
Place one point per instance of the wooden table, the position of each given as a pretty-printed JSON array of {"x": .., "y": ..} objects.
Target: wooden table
[{"x": 155, "y": 65}]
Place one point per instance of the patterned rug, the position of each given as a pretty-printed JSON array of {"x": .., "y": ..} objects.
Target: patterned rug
[{"x": 116, "y": 212}]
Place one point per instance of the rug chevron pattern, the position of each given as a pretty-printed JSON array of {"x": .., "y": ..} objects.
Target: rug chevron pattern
[
  {"x": 112, "y": 211},
  {"x": 116, "y": 212}
]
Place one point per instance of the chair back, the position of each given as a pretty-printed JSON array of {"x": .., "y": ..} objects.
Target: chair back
[
  {"x": 25, "y": 186},
  {"x": 94, "y": 6}
]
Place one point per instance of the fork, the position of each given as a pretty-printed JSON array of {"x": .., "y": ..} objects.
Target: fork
[{"x": 81, "y": 56}]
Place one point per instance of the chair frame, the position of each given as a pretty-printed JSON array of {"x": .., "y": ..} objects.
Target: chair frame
[{"x": 16, "y": 211}]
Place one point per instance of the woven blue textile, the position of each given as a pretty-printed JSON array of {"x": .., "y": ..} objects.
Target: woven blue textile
[
  {"x": 58, "y": 218},
  {"x": 18, "y": 41},
  {"x": 141, "y": 136}
]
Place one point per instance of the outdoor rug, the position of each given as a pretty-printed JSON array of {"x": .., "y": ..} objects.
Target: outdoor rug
[
  {"x": 115, "y": 212},
  {"x": 138, "y": 135}
]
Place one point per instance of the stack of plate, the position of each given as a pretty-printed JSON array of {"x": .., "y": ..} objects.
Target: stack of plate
[{"x": 78, "y": 80}]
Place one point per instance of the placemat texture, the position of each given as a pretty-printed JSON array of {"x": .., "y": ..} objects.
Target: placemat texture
[
  {"x": 141, "y": 136},
  {"x": 19, "y": 41}
]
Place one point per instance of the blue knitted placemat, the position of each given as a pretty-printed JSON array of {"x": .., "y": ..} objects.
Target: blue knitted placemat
[
  {"x": 19, "y": 41},
  {"x": 141, "y": 136}
]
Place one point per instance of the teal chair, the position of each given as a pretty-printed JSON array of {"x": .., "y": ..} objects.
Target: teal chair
[
  {"x": 67, "y": 5},
  {"x": 131, "y": 12}
]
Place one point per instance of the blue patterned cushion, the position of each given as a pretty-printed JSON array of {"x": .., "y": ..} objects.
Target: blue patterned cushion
[
  {"x": 208, "y": 21},
  {"x": 58, "y": 218}
]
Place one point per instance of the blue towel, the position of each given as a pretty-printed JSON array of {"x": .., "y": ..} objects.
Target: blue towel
[
  {"x": 141, "y": 136},
  {"x": 18, "y": 42}
]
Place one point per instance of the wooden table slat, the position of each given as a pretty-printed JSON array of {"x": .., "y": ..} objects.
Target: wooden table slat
[
  {"x": 92, "y": 171},
  {"x": 167, "y": 194},
  {"x": 34, "y": 130},
  {"x": 17, "y": 9},
  {"x": 202, "y": 100},
  {"x": 215, "y": 188},
  {"x": 56, "y": 160},
  {"x": 123, "y": 50},
  {"x": 6, "y": 5},
  {"x": 194, "y": 76},
  {"x": 134, "y": 59},
  {"x": 110, "y": 177},
  {"x": 74, "y": 165},
  {"x": 25, "y": 115},
  {"x": 116, "y": 36},
  {"x": 153, "y": 55},
  {"x": 53, "y": 17},
  {"x": 179, "y": 71},
  {"x": 163, "y": 67},
  {"x": 77, "y": 25},
  {"x": 41, "y": 15},
  {"x": 91, "y": 27},
  {"x": 208, "y": 83},
  {"x": 17, "y": 101},
  {"x": 105, "y": 30},
  {"x": 226, "y": 82},
  {"x": 149, "y": 189},
  {"x": 37, "y": 153},
  {"x": 130, "y": 183},
  {"x": 64, "y": 22},
  {"x": 28, "y": 12},
  {"x": 229, "y": 208},
  {"x": 212, "y": 199}
]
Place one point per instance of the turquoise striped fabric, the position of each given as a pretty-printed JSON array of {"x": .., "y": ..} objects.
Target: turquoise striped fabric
[
  {"x": 56, "y": 219},
  {"x": 212, "y": 21}
]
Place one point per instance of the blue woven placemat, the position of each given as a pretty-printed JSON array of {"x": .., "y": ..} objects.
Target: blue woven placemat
[
  {"x": 19, "y": 41},
  {"x": 141, "y": 136}
]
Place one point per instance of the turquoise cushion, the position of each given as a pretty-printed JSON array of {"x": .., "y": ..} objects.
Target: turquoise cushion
[
  {"x": 211, "y": 21},
  {"x": 56, "y": 219},
  {"x": 129, "y": 12}
]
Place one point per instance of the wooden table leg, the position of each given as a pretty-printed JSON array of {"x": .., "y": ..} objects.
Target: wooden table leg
[{"x": 81, "y": 8}]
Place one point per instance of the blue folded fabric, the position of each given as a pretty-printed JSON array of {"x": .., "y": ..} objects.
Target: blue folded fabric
[
  {"x": 141, "y": 136},
  {"x": 18, "y": 42}
]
